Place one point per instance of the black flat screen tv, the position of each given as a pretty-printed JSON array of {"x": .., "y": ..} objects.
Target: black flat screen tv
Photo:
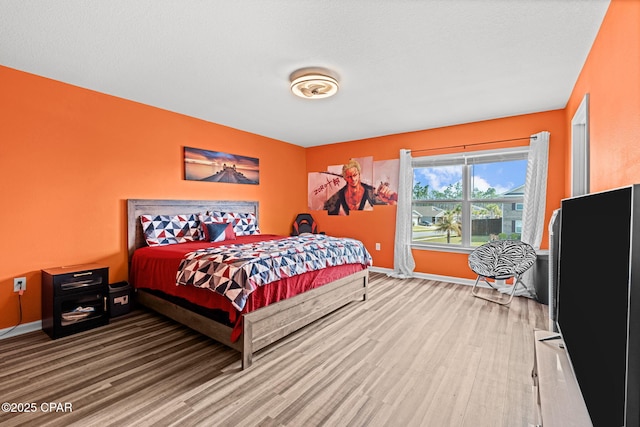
[{"x": 598, "y": 301}]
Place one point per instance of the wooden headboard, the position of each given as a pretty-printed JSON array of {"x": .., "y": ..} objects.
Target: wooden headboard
[{"x": 137, "y": 207}]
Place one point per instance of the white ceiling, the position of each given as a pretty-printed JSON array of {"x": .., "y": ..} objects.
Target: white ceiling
[{"x": 403, "y": 65}]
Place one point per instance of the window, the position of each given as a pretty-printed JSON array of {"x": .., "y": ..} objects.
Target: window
[
  {"x": 518, "y": 226},
  {"x": 467, "y": 199}
]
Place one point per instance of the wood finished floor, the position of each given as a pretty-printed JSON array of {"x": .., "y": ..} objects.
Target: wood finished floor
[{"x": 416, "y": 353}]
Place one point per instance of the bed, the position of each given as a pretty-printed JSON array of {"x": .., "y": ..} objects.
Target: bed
[{"x": 270, "y": 313}]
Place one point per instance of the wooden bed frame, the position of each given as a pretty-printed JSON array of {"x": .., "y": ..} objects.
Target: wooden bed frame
[{"x": 260, "y": 327}]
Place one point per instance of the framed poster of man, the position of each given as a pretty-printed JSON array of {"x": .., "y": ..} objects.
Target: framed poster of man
[{"x": 354, "y": 186}]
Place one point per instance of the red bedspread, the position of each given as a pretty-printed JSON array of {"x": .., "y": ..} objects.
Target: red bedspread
[{"x": 156, "y": 268}]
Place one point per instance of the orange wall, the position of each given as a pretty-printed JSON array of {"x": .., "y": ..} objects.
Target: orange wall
[
  {"x": 70, "y": 158},
  {"x": 611, "y": 76},
  {"x": 378, "y": 226}
]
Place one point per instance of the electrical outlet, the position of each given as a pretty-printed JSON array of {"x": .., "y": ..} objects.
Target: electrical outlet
[
  {"x": 19, "y": 284},
  {"x": 377, "y": 246}
]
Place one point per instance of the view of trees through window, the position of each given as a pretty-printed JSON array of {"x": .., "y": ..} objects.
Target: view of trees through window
[{"x": 468, "y": 204}]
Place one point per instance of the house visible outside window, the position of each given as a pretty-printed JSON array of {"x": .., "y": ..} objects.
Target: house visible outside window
[
  {"x": 518, "y": 226},
  {"x": 467, "y": 199}
]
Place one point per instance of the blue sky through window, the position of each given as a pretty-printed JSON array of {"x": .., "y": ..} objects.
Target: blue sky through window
[{"x": 503, "y": 176}]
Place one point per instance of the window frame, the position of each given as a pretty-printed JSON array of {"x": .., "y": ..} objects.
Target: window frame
[{"x": 466, "y": 160}]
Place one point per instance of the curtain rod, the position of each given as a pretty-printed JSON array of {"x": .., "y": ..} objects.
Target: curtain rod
[{"x": 476, "y": 143}]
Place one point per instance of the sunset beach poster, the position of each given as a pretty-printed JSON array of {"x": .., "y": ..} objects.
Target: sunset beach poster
[{"x": 216, "y": 166}]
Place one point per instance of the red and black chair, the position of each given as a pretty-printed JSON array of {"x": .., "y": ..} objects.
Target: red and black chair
[{"x": 304, "y": 223}]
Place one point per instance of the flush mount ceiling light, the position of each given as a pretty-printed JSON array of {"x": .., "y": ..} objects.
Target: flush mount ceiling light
[{"x": 313, "y": 85}]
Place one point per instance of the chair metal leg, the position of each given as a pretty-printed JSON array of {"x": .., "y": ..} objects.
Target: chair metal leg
[{"x": 497, "y": 301}]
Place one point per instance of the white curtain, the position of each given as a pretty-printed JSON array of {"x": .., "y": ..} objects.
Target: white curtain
[
  {"x": 535, "y": 198},
  {"x": 403, "y": 263},
  {"x": 535, "y": 195}
]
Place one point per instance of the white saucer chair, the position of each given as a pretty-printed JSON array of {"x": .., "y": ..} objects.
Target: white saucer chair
[{"x": 501, "y": 260}]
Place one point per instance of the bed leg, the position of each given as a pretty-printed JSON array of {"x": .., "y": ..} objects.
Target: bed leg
[
  {"x": 247, "y": 345},
  {"x": 366, "y": 287}
]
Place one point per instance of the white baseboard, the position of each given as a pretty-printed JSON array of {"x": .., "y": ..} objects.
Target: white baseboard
[
  {"x": 20, "y": 329},
  {"x": 457, "y": 280},
  {"x": 426, "y": 276}
]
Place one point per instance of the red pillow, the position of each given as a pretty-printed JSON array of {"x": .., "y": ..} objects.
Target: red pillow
[{"x": 220, "y": 231}]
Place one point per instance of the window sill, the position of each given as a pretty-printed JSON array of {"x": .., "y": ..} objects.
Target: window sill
[
  {"x": 460, "y": 249},
  {"x": 441, "y": 248}
]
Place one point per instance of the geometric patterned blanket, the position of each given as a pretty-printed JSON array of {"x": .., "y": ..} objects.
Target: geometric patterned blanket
[{"x": 235, "y": 271}]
